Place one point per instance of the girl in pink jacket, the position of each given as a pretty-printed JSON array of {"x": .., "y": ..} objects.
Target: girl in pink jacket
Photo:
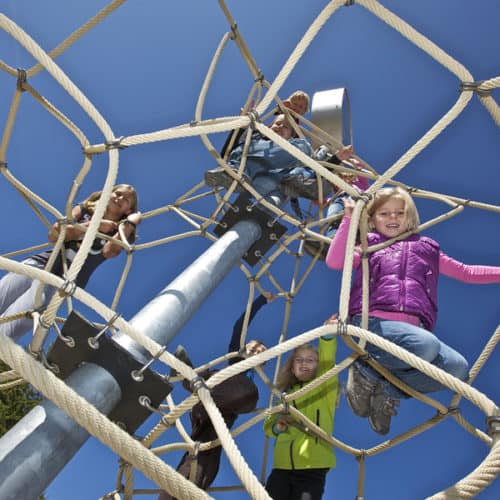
[{"x": 402, "y": 303}]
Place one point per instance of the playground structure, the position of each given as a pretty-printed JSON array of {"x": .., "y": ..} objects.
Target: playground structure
[{"x": 135, "y": 335}]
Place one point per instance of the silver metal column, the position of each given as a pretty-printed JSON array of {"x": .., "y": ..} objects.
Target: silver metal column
[{"x": 34, "y": 451}]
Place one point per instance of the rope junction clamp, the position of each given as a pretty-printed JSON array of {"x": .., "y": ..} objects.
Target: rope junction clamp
[
  {"x": 474, "y": 87},
  {"x": 68, "y": 288},
  {"x": 341, "y": 327},
  {"x": 115, "y": 144},
  {"x": 198, "y": 383},
  {"x": 493, "y": 425},
  {"x": 21, "y": 79},
  {"x": 196, "y": 451}
]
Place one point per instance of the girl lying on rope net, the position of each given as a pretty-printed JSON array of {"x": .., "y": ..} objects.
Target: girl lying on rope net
[
  {"x": 18, "y": 292},
  {"x": 402, "y": 304},
  {"x": 301, "y": 459},
  {"x": 236, "y": 395}
]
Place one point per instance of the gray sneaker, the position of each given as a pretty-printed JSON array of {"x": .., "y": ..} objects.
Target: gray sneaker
[
  {"x": 359, "y": 391},
  {"x": 181, "y": 354},
  {"x": 299, "y": 186},
  {"x": 314, "y": 247},
  {"x": 382, "y": 409},
  {"x": 218, "y": 177}
]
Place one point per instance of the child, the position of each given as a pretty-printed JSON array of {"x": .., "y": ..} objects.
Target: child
[
  {"x": 267, "y": 162},
  {"x": 18, "y": 292},
  {"x": 402, "y": 304},
  {"x": 234, "y": 396},
  {"x": 302, "y": 460},
  {"x": 335, "y": 202}
]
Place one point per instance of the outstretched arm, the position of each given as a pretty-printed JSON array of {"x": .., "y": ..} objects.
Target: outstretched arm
[
  {"x": 480, "y": 275},
  {"x": 261, "y": 300}
]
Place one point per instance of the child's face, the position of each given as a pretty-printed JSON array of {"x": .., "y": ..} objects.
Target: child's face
[
  {"x": 121, "y": 202},
  {"x": 305, "y": 364},
  {"x": 390, "y": 218},
  {"x": 281, "y": 127}
]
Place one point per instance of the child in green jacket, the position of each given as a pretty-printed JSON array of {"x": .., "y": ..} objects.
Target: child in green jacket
[{"x": 301, "y": 459}]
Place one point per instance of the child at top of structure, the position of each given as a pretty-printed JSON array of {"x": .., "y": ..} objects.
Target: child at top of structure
[
  {"x": 267, "y": 163},
  {"x": 18, "y": 292},
  {"x": 301, "y": 460},
  {"x": 236, "y": 395},
  {"x": 402, "y": 304},
  {"x": 298, "y": 102},
  {"x": 306, "y": 185}
]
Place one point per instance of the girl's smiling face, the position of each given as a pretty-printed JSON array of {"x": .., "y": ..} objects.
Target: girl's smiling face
[
  {"x": 305, "y": 364},
  {"x": 121, "y": 202},
  {"x": 390, "y": 218}
]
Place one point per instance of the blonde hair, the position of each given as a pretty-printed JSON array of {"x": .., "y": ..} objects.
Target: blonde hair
[
  {"x": 286, "y": 378},
  {"x": 385, "y": 194},
  {"x": 91, "y": 202},
  {"x": 300, "y": 94}
]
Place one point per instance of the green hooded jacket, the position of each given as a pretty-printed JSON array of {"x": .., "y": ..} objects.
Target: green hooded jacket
[{"x": 296, "y": 449}]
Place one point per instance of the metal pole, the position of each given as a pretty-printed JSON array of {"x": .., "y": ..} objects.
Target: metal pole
[
  {"x": 163, "y": 317},
  {"x": 34, "y": 451}
]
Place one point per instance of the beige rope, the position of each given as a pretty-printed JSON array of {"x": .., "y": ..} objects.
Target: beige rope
[{"x": 136, "y": 454}]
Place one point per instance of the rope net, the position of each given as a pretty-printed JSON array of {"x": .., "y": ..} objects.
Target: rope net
[{"x": 144, "y": 454}]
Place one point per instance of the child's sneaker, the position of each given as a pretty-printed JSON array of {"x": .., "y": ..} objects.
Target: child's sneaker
[
  {"x": 315, "y": 247},
  {"x": 218, "y": 177},
  {"x": 359, "y": 391},
  {"x": 298, "y": 185},
  {"x": 383, "y": 408},
  {"x": 181, "y": 354}
]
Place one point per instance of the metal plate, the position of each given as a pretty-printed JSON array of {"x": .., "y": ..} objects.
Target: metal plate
[{"x": 118, "y": 362}]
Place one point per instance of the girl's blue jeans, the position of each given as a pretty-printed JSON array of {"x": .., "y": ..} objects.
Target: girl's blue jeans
[
  {"x": 418, "y": 341},
  {"x": 17, "y": 294}
]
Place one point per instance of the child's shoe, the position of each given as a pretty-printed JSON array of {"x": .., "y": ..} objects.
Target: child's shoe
[
  {"x": 305, "y": 187},
  {"x": 218, "y": 177},
  {"x": 315, "y": 247},
  {"x": 181, "y": 354},
  {"x": 359, "y": 391},
  {"x": 383, "y": 408}
]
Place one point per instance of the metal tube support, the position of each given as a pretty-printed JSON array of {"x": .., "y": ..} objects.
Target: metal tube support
[
  {"x": 34, "y": 451},
  {"x": 163, "y": 317}
]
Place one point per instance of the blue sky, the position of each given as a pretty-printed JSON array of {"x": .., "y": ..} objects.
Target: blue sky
[{"x": 143, "y": 68}]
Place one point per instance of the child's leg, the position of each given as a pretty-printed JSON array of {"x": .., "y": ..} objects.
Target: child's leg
[
  {"x": 423, "y": 344},
  {"x": 336, "y": 207},
  {"x": 17, "y": 294},
  {"x": 12, "y": 286},
  {"x": 278, "y": 484},
  {"x": 447, "y": 359},
  {"x": 412, "y": 338},
  {"x": 269, "y": 188}
]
